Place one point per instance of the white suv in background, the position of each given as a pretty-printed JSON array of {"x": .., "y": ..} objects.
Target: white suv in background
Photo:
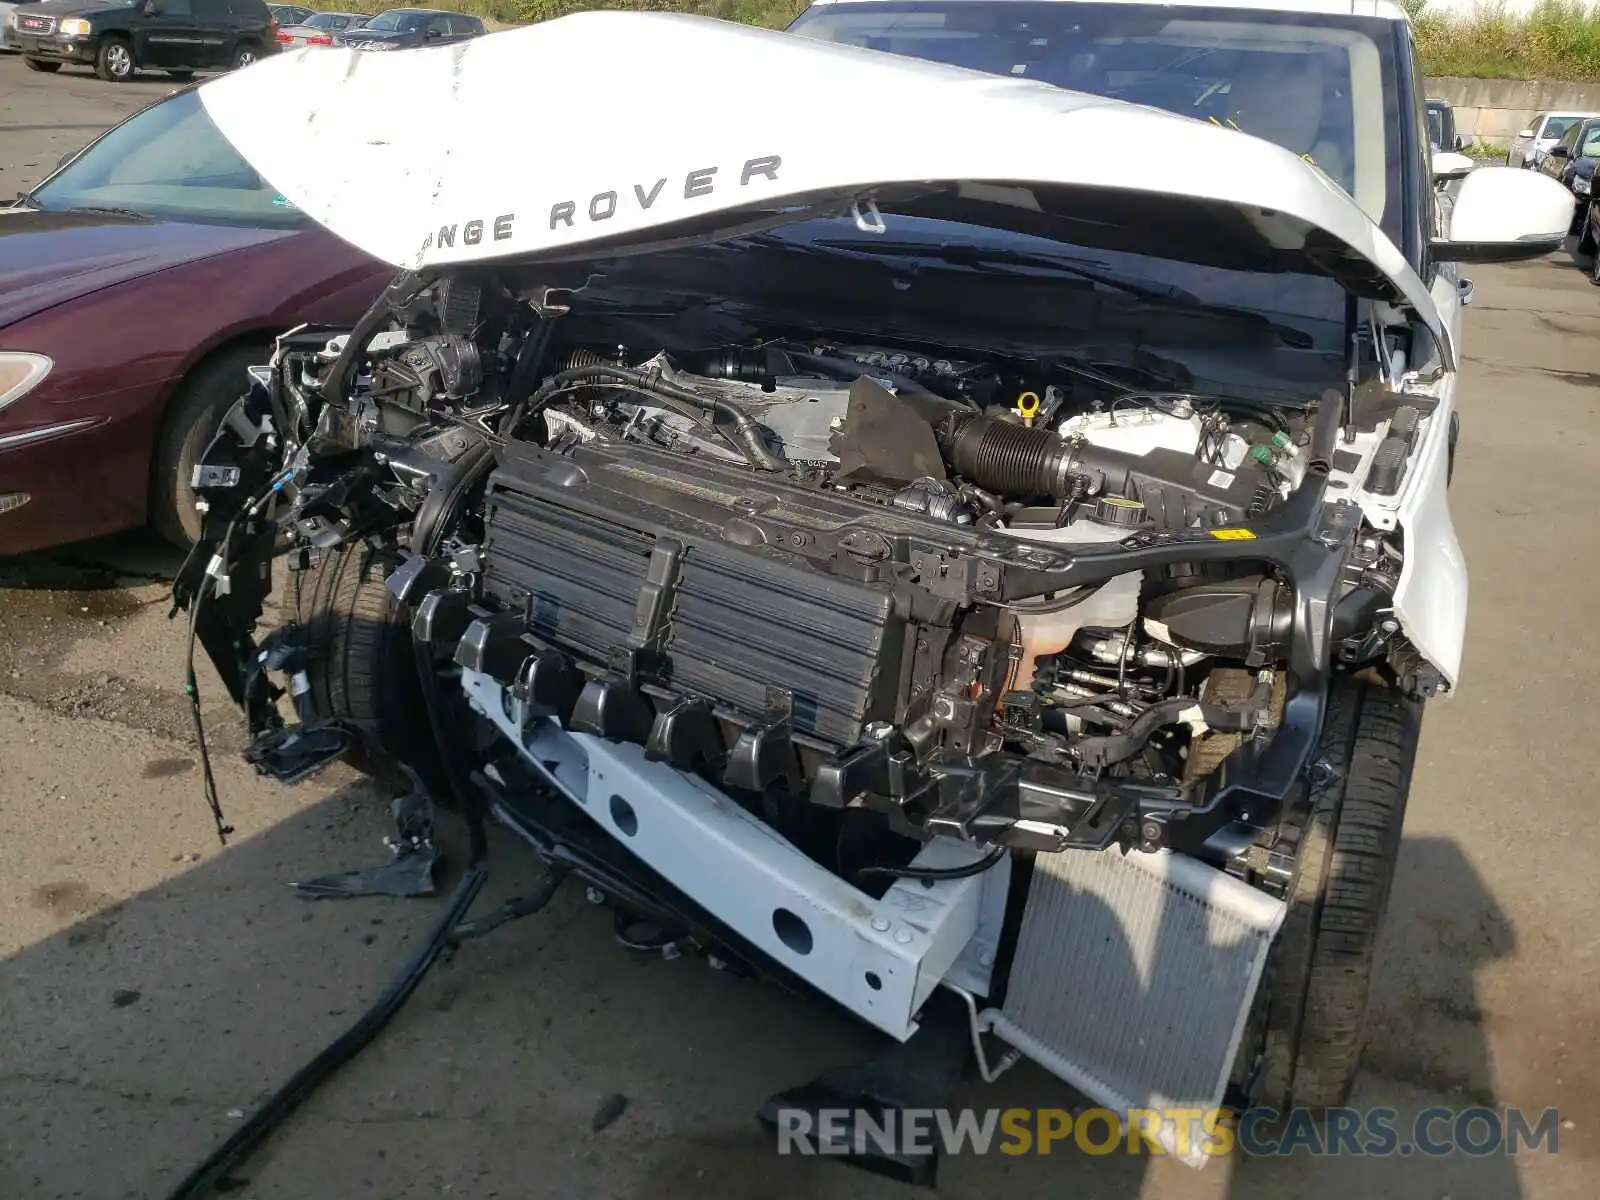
[{"x": 1528, "y": 147}]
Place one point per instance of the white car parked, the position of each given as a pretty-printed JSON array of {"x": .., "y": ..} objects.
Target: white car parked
[{"x": 1528, "y": 148}]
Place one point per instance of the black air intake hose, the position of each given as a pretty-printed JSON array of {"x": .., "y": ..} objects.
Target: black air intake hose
[{"x": 1017, "y": 461}]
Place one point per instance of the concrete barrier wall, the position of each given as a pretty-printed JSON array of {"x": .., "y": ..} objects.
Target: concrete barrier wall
[{"x": 1494, "y": 110}]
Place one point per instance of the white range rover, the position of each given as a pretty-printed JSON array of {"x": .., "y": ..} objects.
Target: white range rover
[{"x": 946, "y": 504}]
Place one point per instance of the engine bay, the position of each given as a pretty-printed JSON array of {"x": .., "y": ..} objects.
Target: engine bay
[{"x": 1021, "y": 603}]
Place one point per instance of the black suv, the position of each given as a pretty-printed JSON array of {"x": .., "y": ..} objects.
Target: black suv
[
  {"x": 119, "y": 37},
  {"x": 402, "y": 28}
]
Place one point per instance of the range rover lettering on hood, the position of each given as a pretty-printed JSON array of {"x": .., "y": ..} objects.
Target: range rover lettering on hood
[
  {"x": 602, "y": 206},
  {"x": 410, "y": 157}
]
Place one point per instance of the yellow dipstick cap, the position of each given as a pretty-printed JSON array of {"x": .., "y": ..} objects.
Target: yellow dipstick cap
[{"x": 1028, "y": 405}]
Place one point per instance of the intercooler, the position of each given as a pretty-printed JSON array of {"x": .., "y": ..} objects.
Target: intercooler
[{"x": 1133, "y": 978}]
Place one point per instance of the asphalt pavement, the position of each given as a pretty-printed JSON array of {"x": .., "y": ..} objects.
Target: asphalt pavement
[{"x": 154, "y": 987}]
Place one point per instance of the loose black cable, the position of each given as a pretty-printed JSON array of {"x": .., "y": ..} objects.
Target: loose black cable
[
  {"x": 192, "y": 689},
  {"x": 191, "y": 684},
  {"x": 281, "y": 1104},
  {"x": 933, "y": 874}
]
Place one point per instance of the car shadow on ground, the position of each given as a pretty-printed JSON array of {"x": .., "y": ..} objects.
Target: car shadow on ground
[
  {"x": 121, "y": 561},
  {"x": 85, "y": 631},
  {"x": 154, "y": 81},
  {"x": 158, "y": 1019}
]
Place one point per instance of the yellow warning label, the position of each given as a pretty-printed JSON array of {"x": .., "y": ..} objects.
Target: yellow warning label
[{"x": 1233, "y": 535}]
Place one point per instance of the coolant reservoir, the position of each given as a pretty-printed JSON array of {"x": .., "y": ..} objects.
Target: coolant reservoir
[{"x": 1113, "y": 604}]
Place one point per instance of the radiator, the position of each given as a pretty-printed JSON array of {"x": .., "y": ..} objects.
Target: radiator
[{"x": 1133, "y": 978}]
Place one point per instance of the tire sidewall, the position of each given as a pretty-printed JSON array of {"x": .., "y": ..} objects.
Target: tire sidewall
[
  {"x": 106, "y": 56},
  {"x": 363, "y": 667},
  {"x": 1323, "y": 963},
  {"x": 190, "y": 422}
]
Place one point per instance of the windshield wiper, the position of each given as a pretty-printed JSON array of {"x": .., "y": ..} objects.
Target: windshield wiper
[{"x": 104, "y": 210}]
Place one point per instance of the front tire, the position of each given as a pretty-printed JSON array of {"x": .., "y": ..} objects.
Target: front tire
[
  {"x": 43, "y": 66},
  {"x": 363, "y": 667},
  {"x": 1321, "y": 974},
  {"x": 191, "y": 422},
  {"x": 1584, "y": 252},
  {"x": 113, "y": 62}
]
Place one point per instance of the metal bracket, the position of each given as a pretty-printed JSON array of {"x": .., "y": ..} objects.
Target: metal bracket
[{"x": 867, "y": 217}]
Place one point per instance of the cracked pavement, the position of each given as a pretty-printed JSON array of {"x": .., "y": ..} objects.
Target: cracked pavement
[{"x": 154, "y": 987}]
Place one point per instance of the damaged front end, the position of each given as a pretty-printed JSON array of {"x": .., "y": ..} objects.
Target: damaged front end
[
  {"x": 818, "y": 655},
  {"x": 967, "y": 664}
]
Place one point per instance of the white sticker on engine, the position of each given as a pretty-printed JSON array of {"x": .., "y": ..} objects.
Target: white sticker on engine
[
  {"x": 1195, "y": 719},
  {"x": 1221, "y": 479}
]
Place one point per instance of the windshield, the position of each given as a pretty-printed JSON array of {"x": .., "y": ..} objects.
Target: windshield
[
  {"x": 396, "y": 20},
  {"x": 1321, "y": 85},
  {"x": 326, "y": 21},
  {"x": 170, "y": 162}
]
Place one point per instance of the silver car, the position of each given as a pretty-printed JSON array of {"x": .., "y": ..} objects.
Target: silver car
[
  {"x": 320, "y": 29},
  {"x": 1529, "y": 146}
]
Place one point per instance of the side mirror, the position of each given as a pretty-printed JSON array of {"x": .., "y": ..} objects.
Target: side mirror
[
  {"x": 1558, "y": 152},
  {"x": 1526, "y": 133},
  {"x": 1462, "y": 141},
  {"x": 1448, "y": 165},
  {"x": 1502, "y": 214},
  {"x": 432, "y": 35}
]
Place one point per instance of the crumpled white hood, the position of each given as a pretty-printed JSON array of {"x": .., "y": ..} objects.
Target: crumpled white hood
[{"x": 600, "y": 125}]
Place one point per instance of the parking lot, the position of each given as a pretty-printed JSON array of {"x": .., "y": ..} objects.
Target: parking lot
[{"x": 154, "y": 987}]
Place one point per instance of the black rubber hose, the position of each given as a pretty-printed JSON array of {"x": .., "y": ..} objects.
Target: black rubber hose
[
  {"x": 1054, "y": 604},
  {"x": 427, "y": 527},
  {"x": 1015, "y": 460},
  {"x": 282, "y": 1103},
  {"x": 1324, "y": 433},
  {"x": 1225, "y": 718},
  {"x": 529, "y": 359},
  {"x": 741, "y": 431},
  {"x": 337, "y": 382}
]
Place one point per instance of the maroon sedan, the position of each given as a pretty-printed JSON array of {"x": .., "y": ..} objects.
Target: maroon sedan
[{"x": 136, "y": 284}]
